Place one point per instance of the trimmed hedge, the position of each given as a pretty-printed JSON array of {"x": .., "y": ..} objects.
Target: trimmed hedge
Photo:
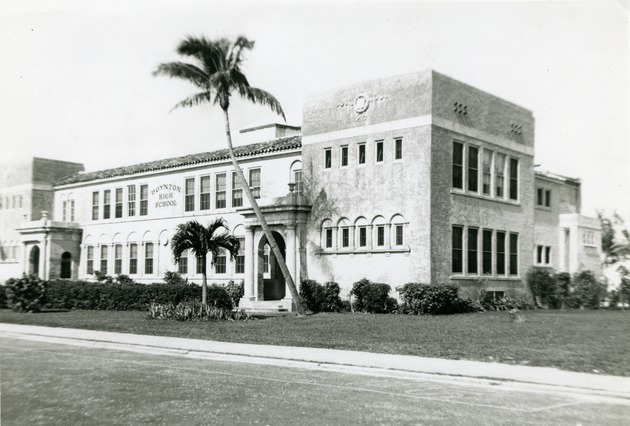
[
  {"x": 321, "y": 298},
  {"x": 434, "y": 299},
  {"x": 26, "y": 294},
  {"x": 372, "y": 297}
]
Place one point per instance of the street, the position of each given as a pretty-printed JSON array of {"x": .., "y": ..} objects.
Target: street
[{"x": 44, "y": 383}]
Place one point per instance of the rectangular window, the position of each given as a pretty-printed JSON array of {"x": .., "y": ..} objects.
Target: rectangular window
[
  {"x": 107, "y": 204},
  {"x": 254, "y": 182},
  {"x": 472, "y": 250},
  {"x": 344, "y": 156},
  {"x": 118, "y": 259},
  {"x": 329, "y": 238},
  {"x": 487, "y": 171},
  {"x": 220, "y": 263},
  {"x": 189, "y": 195},
  {"x": 64, "y": 211},
  {"x": 266, "y": 259},
  {"x": 182, "y": 265},
  {"x": 204, "y": 196},
  {"x": 221, "y": 201},
  {"x": 119, "y": 203},
  {"x": 361, "y": 159},
  {"x": 133, "y": 258},
  {"x": 148, "y": 258},
  {"x": 539, "y": 196},
  {"x": 398, "y": 152},
  {"x": 379, "y": 151},
  {"x": 144, "y": 200},
  {"x": 297, "y": 179},
  {"x": 513, "y": 179},
  {"x": 548, "y": 198},
  {"x": 131, "y": 200},
  {"x": 513, "y": 254},
  {"x": 345, "y": 237},
  {"x": 548, "y": 255},
  {"x": 104, "y": 254},
  {"x": 362, "y": 236},
  {"x": 380, "y": 236},
  {"x": 486, "y": 260},
  {"x": 328, "y": 158},
  {"x": 240, "y": 257},
  {"x": 71, "y": 210},
  {"x": 539, "y": 254},
  {"x": 500, "y": 253},
  {"x": 399, "y": 235},
  {"x": 90, "y": 260},
  {"x": 237, "y": 191},
  {"x": 458, "y": 250},
  {"x": 473, "y": 168},
  {"x": 499, "y": 175},
  {"x": 458, "y": 165},
  {"x": 95, "y": 205},
  {"x": 200, "y": 264}
]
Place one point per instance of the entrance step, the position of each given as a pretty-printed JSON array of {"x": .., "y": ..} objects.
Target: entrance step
[{"x": 264, "y": 306}]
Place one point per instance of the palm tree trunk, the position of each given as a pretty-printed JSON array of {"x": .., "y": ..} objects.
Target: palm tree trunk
[
  {"x": 263, "y": 223},
  {"x": 204, "y": 282}
]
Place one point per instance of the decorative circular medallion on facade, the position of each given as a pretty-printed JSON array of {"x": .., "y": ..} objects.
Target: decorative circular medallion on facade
[{"x": 361, "y": 104}]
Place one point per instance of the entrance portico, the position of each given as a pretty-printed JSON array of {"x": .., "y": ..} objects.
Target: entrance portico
[{"x": 265, "y": 287}]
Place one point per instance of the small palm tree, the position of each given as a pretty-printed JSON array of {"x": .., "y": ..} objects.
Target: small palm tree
[
  {"x": 202, "y": 240},
  {"x": 219, "y": 76}
]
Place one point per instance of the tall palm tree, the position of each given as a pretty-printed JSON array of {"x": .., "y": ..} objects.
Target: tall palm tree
[
  {"x": 201, "y": 240},
  {"x": 218, "y": 74}
]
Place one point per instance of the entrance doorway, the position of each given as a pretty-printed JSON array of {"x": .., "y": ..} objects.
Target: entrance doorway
[
  {"x": 270, "y": 279},
  {"x": 33, "y": 261},
  {"x": 66, "y": 265}
]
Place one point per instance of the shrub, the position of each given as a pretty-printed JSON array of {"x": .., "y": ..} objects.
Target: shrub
[
  {"x": 123, "y": 279},
  {"x": 194, "y": 311},
  {"x": 219, "y": 297},
  {"x": 434, "y": 299},
  {"x": 174, "y": 278},
  {"x": 372, "y": 297},
  {"x": 27, "y": 294},
  {"x": 321, "y": 298},
  {"x": 544, "y": 287},
  {"x": 3, "y": 296},
  {"x": 236, "y": 291},
  {"x": 103, "y": 277},
  {"x": 587, "y": 291},
  {"x": 505, "y": 303}
]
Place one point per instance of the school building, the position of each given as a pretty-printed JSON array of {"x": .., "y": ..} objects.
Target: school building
[{"x": 413, "y": 178}]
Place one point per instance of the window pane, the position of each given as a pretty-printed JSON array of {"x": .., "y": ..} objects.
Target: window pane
[
  {"x": 94, "y": 205},
  {"x": 399, "y": 235},
  {"x": 329, "y": 238},
  {"x": 500, "y": 252},
  {"x": 379, "y": 151},
  {"x": 131, "y": 200},
  {"x": 220, "y": 188},
  {"x": 458, "y": 249},
  {"x": 148, "y": 258},
  {"x": 107, "y": 200},
  {"x": 144, "y": 200},
  {"x": 513, "y": 179},
  {"x": 472, "y": 250},
  {"x": 458, "y": 165},
  {"x": 254, "y": 182},
  {"x": 344, "y": 156},
  {"x": 499, "y": 175},
  {"x": 513, "y": 254},
  {"x": 487, "y": 171},
  {"x": 487, "y": 251},
  {"x": 189, "y": 197},
  {"x": 204, "y": 198},
  {"x": 345, "y": 237},
  {"x": 398, "y": 149},
  {"x": 237, "y": 191},
  {"x": 473, "y": 168},
  {"x": 133, "y": 258},
  {"x": 362, "y": 153},
  {"x": 327, "y": 158},
  {"x": 380, "y": 235},
  {"x": 362, "y": 236}
]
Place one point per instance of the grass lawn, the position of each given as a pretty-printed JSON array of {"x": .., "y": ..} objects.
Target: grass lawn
[{"x": 570, "y": 340}]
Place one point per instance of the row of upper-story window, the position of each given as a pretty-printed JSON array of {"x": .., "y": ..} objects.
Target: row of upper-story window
[
  {"x": 133, "y": 200},
  {"x": 497, "y": 172},
  {"x": 139, "y": 259},
  {"x": 543, "y": 197},
  {"x": 483, "y": 251},
  {"x": 361, "y": 155},
  {"x": 8, "y": 202},
  {"x": 360, "y": 234},
  {"x": 198, "y": 191}
]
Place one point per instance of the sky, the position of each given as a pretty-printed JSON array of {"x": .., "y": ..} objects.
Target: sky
[{"x": 76, "y": 77}]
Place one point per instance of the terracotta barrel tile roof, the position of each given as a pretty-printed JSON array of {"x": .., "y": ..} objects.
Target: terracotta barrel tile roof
[{"x": 282, "y": 144}]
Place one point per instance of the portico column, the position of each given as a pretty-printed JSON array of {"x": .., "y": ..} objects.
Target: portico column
[
  {"x": 290, "y": 257},
  {"x": 249, "y": 263}
]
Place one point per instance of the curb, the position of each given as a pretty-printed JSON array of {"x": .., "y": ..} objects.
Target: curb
[{"x": 366, "y": 363}]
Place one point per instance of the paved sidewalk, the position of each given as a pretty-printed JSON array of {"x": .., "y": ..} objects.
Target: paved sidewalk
[{"x": 339, "y": 360}]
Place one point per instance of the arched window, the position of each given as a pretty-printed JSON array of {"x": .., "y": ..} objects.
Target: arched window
[
  {"x": 398, "y": 230},
  {"x": 296, "y": 177},
  {"x": 379, "y": 235},
  {"x": 66, "y": 266},
  {"x": 344, "y": 235},
  {"x": 361, "y": 233}
]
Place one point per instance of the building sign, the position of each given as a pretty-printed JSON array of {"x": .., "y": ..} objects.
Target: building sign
[{"x": 167, "y": 195}]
